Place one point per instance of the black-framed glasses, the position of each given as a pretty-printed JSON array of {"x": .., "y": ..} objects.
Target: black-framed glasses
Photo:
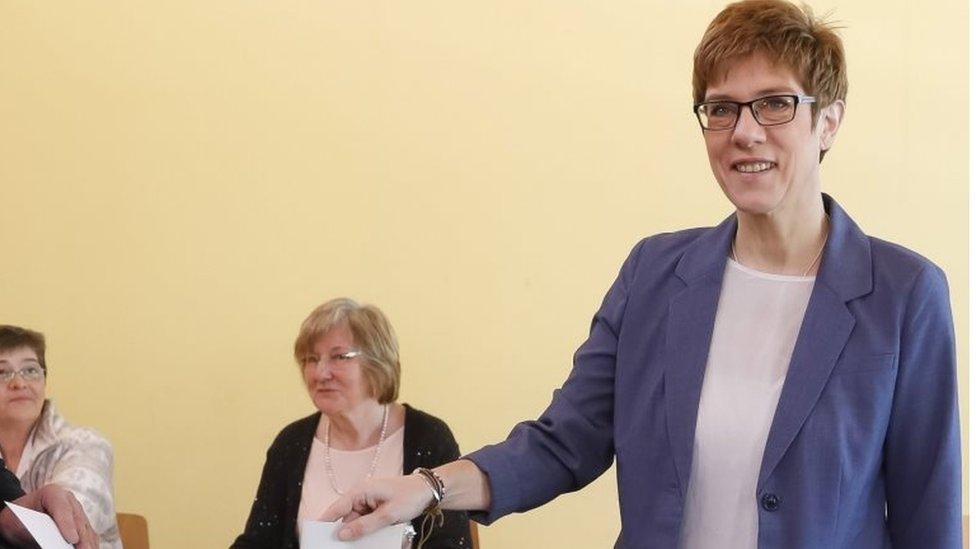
[{"x": 771, "y": 110}]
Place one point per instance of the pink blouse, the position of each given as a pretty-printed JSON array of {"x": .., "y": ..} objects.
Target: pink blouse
[{"x": 349, "y": 468}]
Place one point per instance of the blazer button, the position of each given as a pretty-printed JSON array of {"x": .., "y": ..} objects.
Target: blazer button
[{"x": 770, "y": 502}]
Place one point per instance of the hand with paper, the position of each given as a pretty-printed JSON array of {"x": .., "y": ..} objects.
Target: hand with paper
[
  {"x": 63, "y": 508},
  {"x": 378, "y": 503}
]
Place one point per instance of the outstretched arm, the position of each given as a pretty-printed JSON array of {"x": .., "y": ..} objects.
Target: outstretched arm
[
  {"x": 378, "y": 503},
  {"x": 569, "y": 446}
]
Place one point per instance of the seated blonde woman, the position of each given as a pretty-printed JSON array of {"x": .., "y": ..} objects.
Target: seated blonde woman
[
  {"x": 40, "y": 447},
  {"x": 349, "y": 359}
]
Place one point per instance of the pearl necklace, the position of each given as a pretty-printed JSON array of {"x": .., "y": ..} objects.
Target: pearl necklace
[
  {"x": 806, "y": 271},
  {"x": 376, "y": 453}
]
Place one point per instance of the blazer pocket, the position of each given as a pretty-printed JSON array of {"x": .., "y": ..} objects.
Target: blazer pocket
[{"x": 864, "y": 364}]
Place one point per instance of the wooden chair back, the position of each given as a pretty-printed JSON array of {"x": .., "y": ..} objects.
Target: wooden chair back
[{"x": 134, "y": 531}]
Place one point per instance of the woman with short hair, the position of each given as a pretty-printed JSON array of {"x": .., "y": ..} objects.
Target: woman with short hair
[
  {"x": 40, "y": 447},
  {"x": 349, "y": 360},
  {"x": 780, "y": 380}
]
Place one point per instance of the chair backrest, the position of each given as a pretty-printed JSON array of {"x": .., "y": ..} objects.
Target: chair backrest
[
  {"x": 134, "y": 531},
  {"x": 474, "y": 534}
]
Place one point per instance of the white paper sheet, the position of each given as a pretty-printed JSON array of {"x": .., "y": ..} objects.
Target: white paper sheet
[
  {"x": 41, "y": 526},
  {"x": 322, "y": 535}
]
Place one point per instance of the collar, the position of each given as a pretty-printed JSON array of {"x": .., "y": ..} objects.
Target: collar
[
  {"x": 845, "y": 267},
  {"x": 45, "y": 430}
]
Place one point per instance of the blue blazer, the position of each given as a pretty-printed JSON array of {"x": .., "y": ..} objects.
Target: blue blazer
[{"x": 863, "y": 451}]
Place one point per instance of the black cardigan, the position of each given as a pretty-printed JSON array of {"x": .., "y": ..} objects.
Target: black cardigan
[{"x": 427, "y": 442}]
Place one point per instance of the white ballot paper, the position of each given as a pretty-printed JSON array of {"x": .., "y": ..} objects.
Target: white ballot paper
[
  {"x": 322, "y": 535},
  {"x": 41, "y": 526}
]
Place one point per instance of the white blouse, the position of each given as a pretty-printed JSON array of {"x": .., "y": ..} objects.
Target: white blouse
[{"x": 756, "y": 327}]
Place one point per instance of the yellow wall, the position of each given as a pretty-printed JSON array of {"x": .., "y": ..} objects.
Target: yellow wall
[{"x": 183, "y": 180}]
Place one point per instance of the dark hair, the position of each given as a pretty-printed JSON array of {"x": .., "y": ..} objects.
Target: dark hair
[{"x": 15, "y": 337}]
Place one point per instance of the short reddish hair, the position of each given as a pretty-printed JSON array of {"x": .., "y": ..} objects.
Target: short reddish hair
[{"x": 788, "y": 35}]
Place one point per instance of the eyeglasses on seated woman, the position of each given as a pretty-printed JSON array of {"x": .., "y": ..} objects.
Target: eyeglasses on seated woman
[
  {"x": 348, "y": 357},
  {"x": 40, "y": 447}
]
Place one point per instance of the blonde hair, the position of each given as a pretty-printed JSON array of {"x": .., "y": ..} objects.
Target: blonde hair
[{"x": 373, "y": 335}]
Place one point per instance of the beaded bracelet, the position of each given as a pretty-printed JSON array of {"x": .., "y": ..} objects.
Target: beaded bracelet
[
  {"x": 436, "y": 486},
  {"x": 433, "y": 517}
]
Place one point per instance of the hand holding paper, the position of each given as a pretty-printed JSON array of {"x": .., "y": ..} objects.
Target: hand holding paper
[
  {"x": 40, "y": 526},
  {"x": 57, "y": 506}
]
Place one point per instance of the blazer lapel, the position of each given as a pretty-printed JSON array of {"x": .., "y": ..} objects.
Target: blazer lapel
[
  {"x": 690, "y": 322},
  {"x": 826, "y": 327},
  {"x": 691, "y": 317},
  {"x": 845, "y": 274}
]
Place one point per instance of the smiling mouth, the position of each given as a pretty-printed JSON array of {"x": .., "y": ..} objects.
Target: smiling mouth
[{"x": 753, "y": 167}]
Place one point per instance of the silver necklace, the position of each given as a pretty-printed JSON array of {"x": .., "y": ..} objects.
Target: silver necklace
[
  {"x": 376, "y": 453},
  {"x": 806, "y": 271}
]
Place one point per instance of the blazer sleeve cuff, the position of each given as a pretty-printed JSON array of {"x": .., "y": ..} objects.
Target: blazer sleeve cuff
[{"x": 502, "y": 481}]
